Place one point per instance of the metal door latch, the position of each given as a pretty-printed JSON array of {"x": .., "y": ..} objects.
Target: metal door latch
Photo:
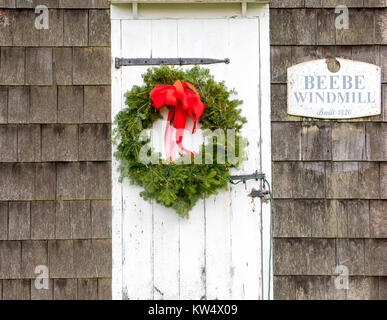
[{"x": 264, "y": 194}]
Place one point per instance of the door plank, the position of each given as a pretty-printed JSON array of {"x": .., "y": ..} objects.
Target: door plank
[
  {"x": 166, "y": 221},
  {"x": 264, "y": 54},
  {"x": 137, "y": 213},
  {"x": 246, "y": 226},
  {"x": 192, "y": 236},
  {"x": 116, "y": 187}
]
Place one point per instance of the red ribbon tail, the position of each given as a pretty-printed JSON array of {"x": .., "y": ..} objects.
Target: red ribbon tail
[
  {"x": 169, "y": 143},
  {"x": 179, "y": 141}
]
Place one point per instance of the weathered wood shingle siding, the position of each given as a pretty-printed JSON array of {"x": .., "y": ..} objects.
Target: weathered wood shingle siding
[
  {"x": 329, "y": 177},
  {"x": 55, "y": 153}
]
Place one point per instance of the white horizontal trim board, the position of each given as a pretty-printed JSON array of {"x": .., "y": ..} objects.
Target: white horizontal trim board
[
  {"x": 222, "y": 251},
  {"x": 157, "y": 11},
  {"x": 186, "y": 1}
]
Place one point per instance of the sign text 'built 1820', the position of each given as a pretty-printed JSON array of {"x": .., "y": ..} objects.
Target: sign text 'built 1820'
[{"x": 334, "y": 89}]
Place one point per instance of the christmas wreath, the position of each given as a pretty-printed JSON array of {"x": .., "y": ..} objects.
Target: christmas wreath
[{"x": 180, "y": 183}]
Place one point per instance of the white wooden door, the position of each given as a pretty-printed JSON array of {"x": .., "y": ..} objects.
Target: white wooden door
[{"x": 223, "y": 250}]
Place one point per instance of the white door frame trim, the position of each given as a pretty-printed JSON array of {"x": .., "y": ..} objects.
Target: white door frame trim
[{"x": 122, "y": 12}]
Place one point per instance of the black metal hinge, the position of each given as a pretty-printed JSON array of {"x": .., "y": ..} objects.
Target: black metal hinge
[{"x": 168, "y": 61}]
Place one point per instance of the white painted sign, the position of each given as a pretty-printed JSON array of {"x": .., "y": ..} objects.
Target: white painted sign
[
  {"x": 223, "y": 250},
  {"x": 353, "y": 91}
]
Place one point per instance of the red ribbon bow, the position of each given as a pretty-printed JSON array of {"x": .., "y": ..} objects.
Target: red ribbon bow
[{"x": 183, "y": 99}]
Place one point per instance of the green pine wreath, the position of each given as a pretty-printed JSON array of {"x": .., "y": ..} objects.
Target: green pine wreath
[{"x": 175, "y": 184}]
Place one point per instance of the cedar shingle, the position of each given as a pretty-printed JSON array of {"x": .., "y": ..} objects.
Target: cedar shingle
[
  {"x": 376, "y": 140},
  {"x": 34, "y": 253},
  {"x": 35, "y": 3},
  {"x": 10, "y": 259},
  {"x": 18, "y": 104},
  {"x": 65, "y": 289},
  {"x": 326, "y": 30},
  {"x": 368, "y": 180},
  {"x": 281, "y": 59},
  {"x": 70, "y": 104},
  {"x": 16, "y": 289},
  {"x": 376, "y": 257},
  {"x": 290, "y": 256},
  {"x": 378, "y": 218},
  {"x": 62, "y": 220},
  {"x": 358, "y": 218},
  {"x": 310, "y": 288},
  {"x": 17, "y": 181},
  {"x": 286, "y": 141},
  {"x": 80, "y": 219},
  {"x": 86, "y": 259},
  {"x": 75, "y": 27},
  {"x": 43, "y": 220},
  {"x": 361, "y": 28},
  {"x": 316, "y": 141},
  {"x": 3, "y": 105},
  {"x": 381, "y": 24},
  {"x": 94, "y": 142},
  {"x": 369, "y": 54},
  {"x": 305, "y": 53},
  {"x": 347, "y": 3},
  {"x": 104, "y": 289},
  {"x": 70, "y": 181},
  {"x": 383, "y": 180},
  {"x": 53, "y": 36},
  {"x": 282, "y": 27},
  {"x": 24, "y": 32},
  {"x": 383, "y": 60},
  {"x": 42, "y": 294},
  {"x": 98, "y": 180},
  {"x": 103, "y": 252},
  {"x": 279, "y": 110},
  {"x": 7, "y": 25},
  {"x": 8, "y": 143},
  {"x": 101, "y": 216},
  {"x": 45, "y": 183},
  {"x": 3, "y": 220},
  {"x": 286, "y": 4},
  {"x": 62, "y": 66},
  {"x": 313, "y": 181},
  {"x": 84, "y": 4},
  {"x": 382, "y": 288},
  {"x": 323, "y": 221},
  {"x": 286, "y": 177},
  {"x": 87, "y": 289},
  {"x": 342, "y": 180},
  {"x": 91, "y": 66},
  {"x": 362, "y": 288},
  {"x": 350, "y": 253},
  {"x": 348, "y": 141},
  {"x": 43, "y": 105},
  {"x": 12, "y": 69},
  {"x": 288, "y": 222},
  {"x": 306, "y": 31},
  {"x": 97, "y": 104},
  {"x": 28, "y": 143},
  {"x": 384, "y": 102},
  {"x": 61, "y": 258},
  {"x": 39, "y": 66},
  {"x": 19, "y": 221},
  {"x": 99, "y": 28},
  {"x": 59, "y": 142},
  {"x": 321, "y": 256},
  {"x": 284, "y": 288}
]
